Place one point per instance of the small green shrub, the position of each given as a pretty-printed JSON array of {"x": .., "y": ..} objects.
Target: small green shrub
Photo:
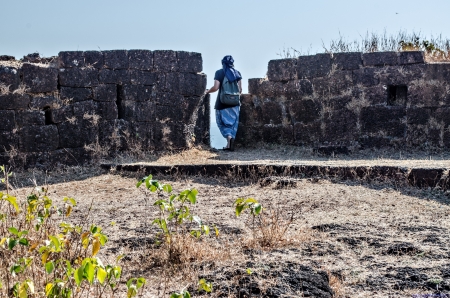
[
  {"x": 43, "y": 255},
  {"x": 174, "y": 214}
]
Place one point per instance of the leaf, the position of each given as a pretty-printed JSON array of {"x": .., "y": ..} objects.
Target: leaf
[
  {"x": 24, "y": 242},
  {"x": 13, "y": 231},
  {"x": 78, "y": 275},
  {"x": 13, "y": 202},
  {"x": 95, "y": 246},
  {"x": 258, "y": 208},
  {"x": 101, "y": 275},
  {"x": 49, "y": 266},
  {"x": 69, "y": 210},
  {"x": 249, "y": 271},
  {"x": 216, "y": 230},
  {"x": 167, "y": 188},
  {"x": 90, "y": 272},
  {"x": 12, "y": 243},
  {"x": 30, "y": 286},
  {"x": 205, "y": 230},
  {"x": 140, "y": 282},
  {"x": 131, "y": 291},
  {"x": 48, "y": 289},
  {"x": 23, "y": 291},
  {"x": 192, "y": 196},
  {"x": 45, "y": 256}
]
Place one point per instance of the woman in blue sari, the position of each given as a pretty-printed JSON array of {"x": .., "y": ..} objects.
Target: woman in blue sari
[{"x": 227, "y": 117}]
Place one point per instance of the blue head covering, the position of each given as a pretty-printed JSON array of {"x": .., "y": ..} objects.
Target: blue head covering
[{"x": 228, "y": 67}]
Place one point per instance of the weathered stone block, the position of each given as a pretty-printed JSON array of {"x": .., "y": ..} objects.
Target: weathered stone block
[
  {"x": 376, "y": 95},
  {"x": 282, "y": 69},
  {"x": 45, "y": 102},
  {"x": 192, "y": 84},
  {"x": 143, "y": 111},
  {"x": 105, "y": 92},
  {"x": 401, "y": 75},
  {"x": 171, "y": 82},
  {"x": 61, "y": 114},
  {"x": 304, "y": 111},
  {"x": 136, "y": 92},
  {"x": 318, "y": 65},
  {"x": 8, "y": 140},
  {"x": 27, "y": 118},
  {"x": 384, "y": 121},
  {"x": 115, "y": 59},
  {"x": 417, "y": 116},
  {"x": 77, "y": 77},
  {"x": 8, "y": 120},
  {"x": 250, "y": 111},
  {"x": 118, "y": 76},
  {"x": 347, "y": 61},
  {"x": 307, "y": 134},
  {"x": 76, "y": 94},
  {"x": 139, "y": 77},
  {"x": 272, "y": 112},
  {"x": 14, "y": 101},
  {"x": 438, "y": 71},
  {"x": 190, "y": 62},
  {"x": 107, "y": 110},
  {"x": 366, "y": 77},
  {"x": 339, "y": 103},
  {"x": 266, "y": 88},
  {"x": 7, "y": 58},
  {"x": 116, "y": 134},
  {"x": 140, "y": 59},
  {"x": 411, "y": 57},
  {"x": 165, "y": 61},
  {"x": 93, "y": 59},
  {"x": 169, "y": 135},
  {"x": 248, "y": 135},
  {"x": 39, "y": 79},
  {"x": 82, "y": 108},
  {"x": 296, "y": 89},
  {"x": 71, "y": 59},
  {"x": 339, "y": 127},
  {"x": 380, "y": 58},
  {"x": 279, "y": 134},
  {"x": 141, "y": 136},
  {"x": 337, "y": 83},
  {"x": 77, "y": 133},
  {"x": 425, "y": 93},
  {"x": 9, "y": 76},
  {"x": 375, "y": 142},
  {"x": 442, "y": 117},
  {"x": 66, "y": 156},
  {"x": 174, "y": 107},
  {"x": 253, "y": 85},
  {"x": 38, "y": 138}
]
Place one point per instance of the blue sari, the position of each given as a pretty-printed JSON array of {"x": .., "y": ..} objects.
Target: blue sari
[{"x": 228, "y": 120}]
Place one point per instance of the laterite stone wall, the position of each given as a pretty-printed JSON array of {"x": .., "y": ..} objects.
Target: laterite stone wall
[
  {"x": 78, "y": 105},
  {"x": 350, "y": 100}
]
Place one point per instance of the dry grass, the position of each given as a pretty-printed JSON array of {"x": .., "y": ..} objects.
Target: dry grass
[
  {"x": 360, "y": 222},
  {"x": 22, "y": 89},
  {"x": 4, "y": 89}
]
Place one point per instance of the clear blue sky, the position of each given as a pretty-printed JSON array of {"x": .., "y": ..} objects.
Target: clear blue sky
[{"x": 253, "y": 31}]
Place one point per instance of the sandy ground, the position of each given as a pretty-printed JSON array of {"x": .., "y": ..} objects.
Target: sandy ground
[{"x": 373, "y": 240}]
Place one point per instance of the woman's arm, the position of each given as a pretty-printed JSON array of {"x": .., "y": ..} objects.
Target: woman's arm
[{"x": 213, "y": 88}]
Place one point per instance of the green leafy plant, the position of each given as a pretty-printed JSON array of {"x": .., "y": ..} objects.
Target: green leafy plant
[
  {"x": 174, "y": 214},
  {"x": 46, "y": 256}
]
